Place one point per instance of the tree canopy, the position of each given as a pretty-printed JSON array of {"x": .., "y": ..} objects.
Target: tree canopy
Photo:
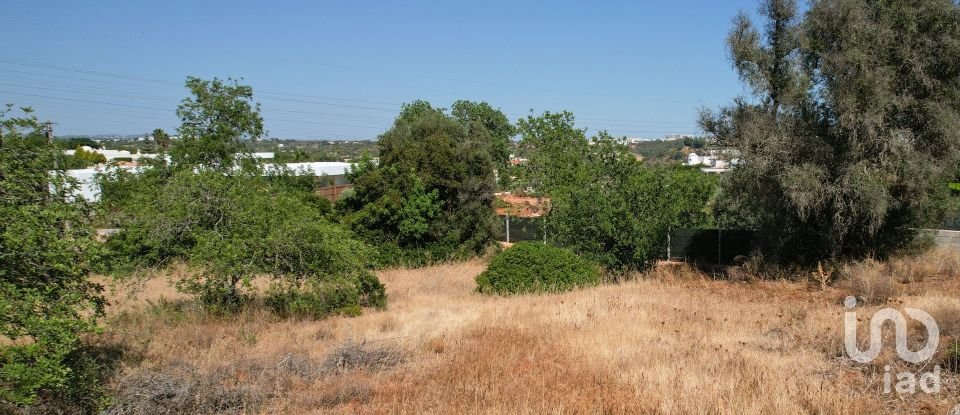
[
  {"x": 605, "y": 204},
  {"x": 431, "y": 194},
  {"x": 496, "y": 123},
  {"x": 216, "y": 120},
  {"x": 853, "y": 126}
]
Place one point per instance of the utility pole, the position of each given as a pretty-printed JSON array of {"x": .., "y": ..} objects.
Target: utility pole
[
  {"x": 668, "y": 245},
  {"x": 508, "y": 228},
  {"x": 48, "y": 128}
]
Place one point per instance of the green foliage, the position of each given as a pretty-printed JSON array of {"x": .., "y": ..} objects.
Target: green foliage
[
  {"x": 161, "y": 139},
  {"x": 317, "y": 298},
  {"x": 529, "y": 267},
  {"x": 229, "y": 221},
  {"x": 46, "y": 300},
  {"x": 232, "y": 227},
  {"x": 216, "y": 122},
  {"x": 297, "y": 151},
  {"x": 853, "y": 129},
  {"x": 622, "y": 218},
  {"x": 431, "y": 195},
  {"x": 74, "y": 142},
  {"x": 668, "y": 151},
  {"x": 82, "y": 159},
  {"x": 497, "y": 124},
  {"x": 607, "y": 206},
  {"x": 557, "y": 151}
]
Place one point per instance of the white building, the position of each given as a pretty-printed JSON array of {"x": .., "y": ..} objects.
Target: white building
[
  {"x": 112, "y": 154},
  {"x": 335, "y": 171},
  {"x": 714, "y": 160},
  {"x": 87, "y": 187}
]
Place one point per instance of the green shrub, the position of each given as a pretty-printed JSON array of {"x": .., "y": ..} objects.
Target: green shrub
[
  {"x": 247, "y": 226},
  {"x": 213, "y": 294},
  {"x": 317, "y": 298},
  {"x": 530, "y": 267},
  {"x": 48, "y": 305},
  {"x": 371, "y": 290}
]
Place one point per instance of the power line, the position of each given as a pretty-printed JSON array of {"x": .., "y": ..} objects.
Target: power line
[
  {"x": 77, "y": 70},
  {"x": 267, "y": 121},
  {"x": 609, "y": 124},
  {"x": 392, "y": 104},
  {"x": 83, "y": 101}
]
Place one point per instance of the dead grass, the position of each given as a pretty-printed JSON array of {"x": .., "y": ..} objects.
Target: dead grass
[
  {"x": 671, "y": 341},
  {"x": 872, "y": 281}
]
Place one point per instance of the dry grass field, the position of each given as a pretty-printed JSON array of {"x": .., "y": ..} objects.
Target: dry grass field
[{"x": 673, "y": 340}]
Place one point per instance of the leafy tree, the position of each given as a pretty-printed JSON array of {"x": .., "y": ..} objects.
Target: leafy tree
[
  {"x": 618, "y": 211},
  {"x": 232, "y": 224},
  {"x": 82, "y": 159},
  {"x": 162, "y": 139},
  {"x": 852, "y": 129},
  {"x": 605, "y": 204},
  {"x": 216, "y": 121},
  {"x": 46, "y": 300},
  {"x": 497, "y": 124},
  {"x": 556, "y": 149},
  {"x": 431, "y": 195},
  {"x": 419, "y": 108}
]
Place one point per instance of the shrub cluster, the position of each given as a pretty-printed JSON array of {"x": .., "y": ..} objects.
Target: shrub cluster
[
  {"x": 317, "y": 298},
  {"x": 530, "y": 267}
]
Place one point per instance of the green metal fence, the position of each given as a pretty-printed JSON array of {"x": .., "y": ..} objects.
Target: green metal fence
[
  {"x": 706, "y": 246},
  {"x": 710, "y": 246},
  {"x": 522, "y": 229}
]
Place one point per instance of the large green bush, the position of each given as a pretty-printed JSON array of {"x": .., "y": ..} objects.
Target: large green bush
[
  {"x": 530, "y": 267},
  {"x": 47, "y": 302}
]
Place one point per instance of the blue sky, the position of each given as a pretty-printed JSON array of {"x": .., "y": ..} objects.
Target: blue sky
[{"x": 339, "y": 70}]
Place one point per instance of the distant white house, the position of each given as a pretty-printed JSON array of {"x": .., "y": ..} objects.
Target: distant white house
[
  {"x": 86, "y": 186},
  {"x": 112, "y": 154},
  {"x": 124, "y": 154},
  {"x": 336, "y": 172},
  {"x": 714, "y": 160}
]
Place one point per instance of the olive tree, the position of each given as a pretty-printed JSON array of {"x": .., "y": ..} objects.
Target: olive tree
[{"x": 853, "y": 126}]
